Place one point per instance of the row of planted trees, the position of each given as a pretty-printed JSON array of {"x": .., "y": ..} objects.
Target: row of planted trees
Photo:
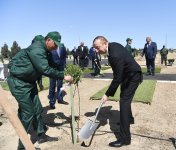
[{"x": 6, "y": 53}]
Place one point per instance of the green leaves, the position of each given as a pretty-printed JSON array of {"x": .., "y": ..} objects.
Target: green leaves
[{"x": 75, "y": 72}]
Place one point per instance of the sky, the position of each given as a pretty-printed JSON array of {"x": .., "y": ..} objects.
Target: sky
[{"x": 82, "y": 20}]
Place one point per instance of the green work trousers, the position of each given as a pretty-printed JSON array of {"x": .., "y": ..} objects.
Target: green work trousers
[{"x": 30, "y": 108}]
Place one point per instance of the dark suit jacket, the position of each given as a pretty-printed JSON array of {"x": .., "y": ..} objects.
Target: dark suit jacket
[
  {"x": 82, "y": 53},
  {"x": 150, "y": 52},
  {"x": 58, "y": 58},
  {"x": 123, "y": 66}
]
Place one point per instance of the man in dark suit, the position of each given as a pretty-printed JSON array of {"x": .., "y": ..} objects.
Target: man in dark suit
[
  {"x": 58, "y": 61},
  {"x": 150, "y": 51},
  {"x": 75, "y": 56},
  {"x": 127, "y": 73},
  {"x": 82, "y": 52}
]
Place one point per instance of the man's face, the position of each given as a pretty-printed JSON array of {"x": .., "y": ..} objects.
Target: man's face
[
  {"x": 100, "y": 46},
  {"x": 148, "y": 39},
  {"x": 129, "y": 42},
  {"x": 50, "y": 44}
]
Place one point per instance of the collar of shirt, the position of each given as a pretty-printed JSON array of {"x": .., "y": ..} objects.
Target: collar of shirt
[
  {"x": 149, "y": 43},
  {"x": 82, "y": 48}
]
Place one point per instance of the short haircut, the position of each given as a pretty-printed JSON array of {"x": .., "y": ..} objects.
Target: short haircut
[
  {"x": 101, "y": 38},
  {"x": 46, "y": 37}
]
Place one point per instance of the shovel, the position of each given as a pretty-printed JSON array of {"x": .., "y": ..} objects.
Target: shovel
[{"x": 90, "y": 126}]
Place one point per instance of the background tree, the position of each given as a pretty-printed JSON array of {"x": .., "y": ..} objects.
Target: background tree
[
  {"x": 14, "y": 49},
  {"x": 4, "y": 51},
  {"x": 68, "y": 52},
  {"x": 1, "y": 59}
]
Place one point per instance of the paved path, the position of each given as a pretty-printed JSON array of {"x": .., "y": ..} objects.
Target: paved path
[{"x": 165, "y": 77}]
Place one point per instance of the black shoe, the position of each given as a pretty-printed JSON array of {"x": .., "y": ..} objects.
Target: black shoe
[
  {"x": 52, "y": 106},
  {"x": 45, "y": 138},
  {"x": 119, "y": 143},
  {"x": 63, "y": 102},
  {"x": 153, "y": 74}
]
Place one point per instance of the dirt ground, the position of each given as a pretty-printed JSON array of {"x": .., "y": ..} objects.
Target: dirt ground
[{"x": 153, "y": 128}]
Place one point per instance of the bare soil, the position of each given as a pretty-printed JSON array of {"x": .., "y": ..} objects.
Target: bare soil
[{"x": 154, "y": 124}]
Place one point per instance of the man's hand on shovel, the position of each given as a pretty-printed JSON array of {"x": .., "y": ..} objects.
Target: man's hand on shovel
[{"x": 104, "y": 99}]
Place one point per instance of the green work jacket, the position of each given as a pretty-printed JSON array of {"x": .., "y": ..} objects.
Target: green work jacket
[
  {"x": 129, "y": 49},
  {"x": 30, "y": 63}
]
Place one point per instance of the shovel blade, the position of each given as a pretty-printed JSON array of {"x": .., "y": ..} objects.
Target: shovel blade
[{"x": 88, "y": 129}]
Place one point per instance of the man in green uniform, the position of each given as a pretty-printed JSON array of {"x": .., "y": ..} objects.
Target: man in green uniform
[
  {"x": 164, "y": 53},
  {"x": 25, "y": 68},
  {"x": 39, "y": 38},
  {"x": 128, "y": 46}
]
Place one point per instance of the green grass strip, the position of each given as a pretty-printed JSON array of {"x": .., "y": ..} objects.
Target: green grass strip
[{"x": 143, "y": 94}]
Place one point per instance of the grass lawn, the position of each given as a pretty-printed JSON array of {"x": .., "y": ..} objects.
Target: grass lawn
[
  {"x": 157, "y": 70},
  {"x": 89, "y": 70},
  {"x": 143, "y": 94},
  {"x": 144, "y": 70}
]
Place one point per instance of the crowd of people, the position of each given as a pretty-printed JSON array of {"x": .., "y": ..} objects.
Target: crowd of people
[
  {"x": 82, "y": 55},
  {"x": 47, "y": 56}
]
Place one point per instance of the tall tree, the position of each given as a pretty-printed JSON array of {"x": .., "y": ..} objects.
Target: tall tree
[
  {"x": 1, "y": 59},
  {"x": 15, "y": 48},
  {"x": 5, "y": 51},
  {"x": 68, "y": 52}
]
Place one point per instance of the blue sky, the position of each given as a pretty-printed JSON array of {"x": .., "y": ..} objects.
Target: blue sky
[{"x": 80, "y": 20}]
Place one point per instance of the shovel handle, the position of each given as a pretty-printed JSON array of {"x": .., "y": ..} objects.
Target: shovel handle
[{"x": 98, "y": 112}]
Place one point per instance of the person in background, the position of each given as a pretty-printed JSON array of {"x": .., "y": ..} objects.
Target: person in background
[
  {"x": 82, "y": 52},
  {"x": 163, "y": 53},
  {"x": 24, "y": 70},
  {"x": 92, "y": 57},
  {"x": 75, "y": 56},
  {"x": 128, "y": 45},
  {"x": 150, "y": 51},
  {"x": 126, "y": 73},
  {"x": 97, "y": 59},
  {"x": 58, "y": 60}
]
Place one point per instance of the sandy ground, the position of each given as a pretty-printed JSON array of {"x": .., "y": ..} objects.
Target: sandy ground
[{"x": 154, "y": 124}]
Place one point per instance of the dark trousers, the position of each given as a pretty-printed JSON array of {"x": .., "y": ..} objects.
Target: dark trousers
[
  {"x": 164, "y": 59},
  {"x": 52, "y": 91},
  {"x": 30, "y": 108},
  {"x": 93, "y": 63},
  {"x": 75, "y": 60},
  {"x": 82, "y": 63},
  {"x": 150, "y": 65},
  {"x": 128, "y": 88},
  {"x": 97, "y": 68}
]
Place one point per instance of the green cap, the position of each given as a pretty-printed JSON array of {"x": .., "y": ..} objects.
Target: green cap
[
  {"x": 38, "y": 38},
  {"x": 129, "y": 39},
  {"x": 55, "y": 36}
]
